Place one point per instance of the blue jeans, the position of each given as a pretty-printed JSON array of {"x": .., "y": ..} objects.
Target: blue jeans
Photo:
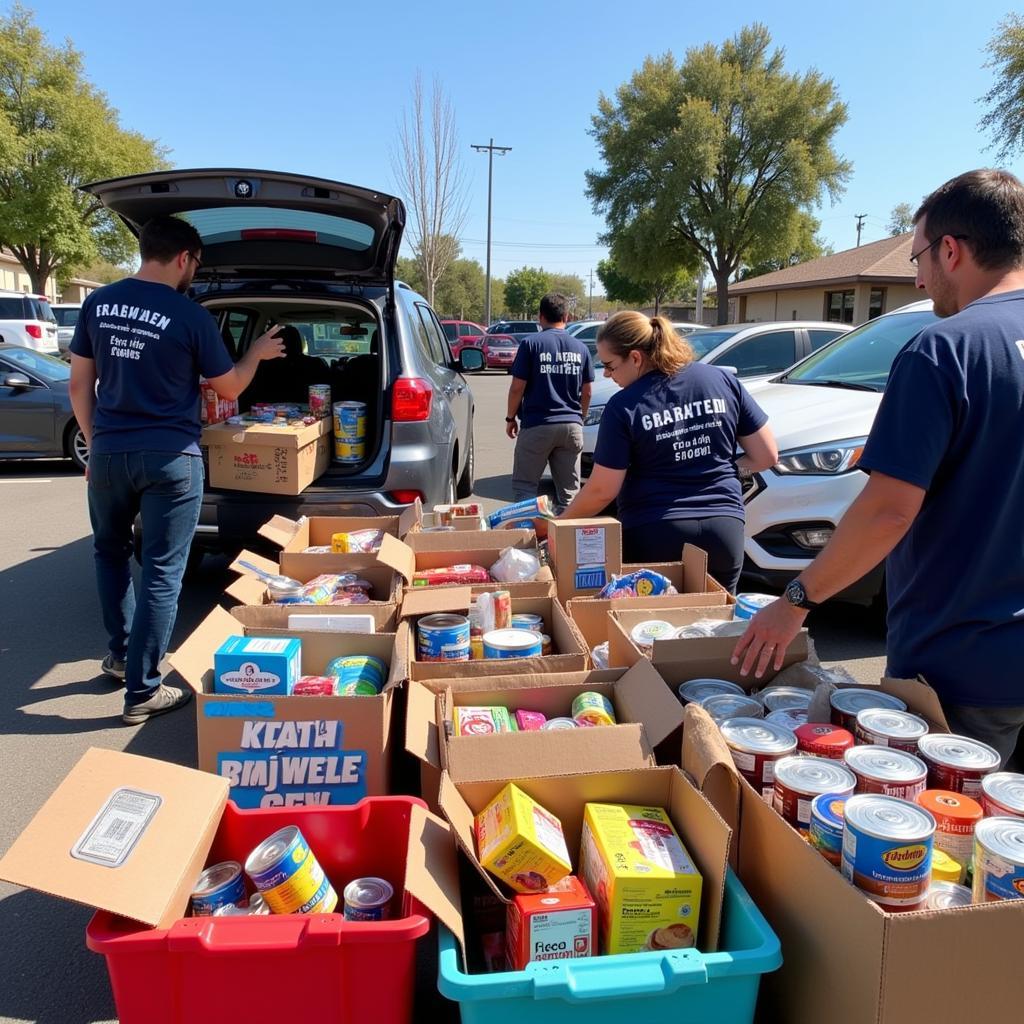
[{"x": 166, "y": 488}]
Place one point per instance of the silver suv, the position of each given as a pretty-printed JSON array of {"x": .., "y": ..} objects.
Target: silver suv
[{"x": 320, "y": 255}]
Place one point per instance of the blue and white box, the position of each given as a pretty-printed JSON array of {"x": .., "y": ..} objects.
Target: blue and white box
[{"x": 264, "y": 666}]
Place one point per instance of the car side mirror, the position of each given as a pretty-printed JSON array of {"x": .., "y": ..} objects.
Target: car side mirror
[
  {"x": 16, "y": 380},
  {"x": 471, "y": 360}
]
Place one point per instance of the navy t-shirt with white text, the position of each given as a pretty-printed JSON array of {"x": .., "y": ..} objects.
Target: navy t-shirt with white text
[
  {"x": 676, "y": 438},
  {"x": 952, "y": 423},
  {"x": 555, "y": 367},
  {"x": 150, "y": 345}
]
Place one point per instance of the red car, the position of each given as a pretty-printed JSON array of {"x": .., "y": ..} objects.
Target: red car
[
  {"x": 500, "y": 351},
  {"x": 461, "y": 333}
]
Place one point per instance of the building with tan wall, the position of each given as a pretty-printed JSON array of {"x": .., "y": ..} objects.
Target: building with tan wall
[
  {"x": 847, "y": 287},
  {"x": 14, "y": 278}
]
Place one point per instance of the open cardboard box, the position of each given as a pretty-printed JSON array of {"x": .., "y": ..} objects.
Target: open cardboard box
[
  {"x": 584, "y": 553},
  {"x": 568, "y": 651},
  {"x": 292, "y": 750},
  {"x": 689, "y": 576},
  {"x": 704, "y": 834},
  {"x": 876, "y": 967}
]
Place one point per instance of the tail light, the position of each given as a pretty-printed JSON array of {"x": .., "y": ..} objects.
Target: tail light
[
  {"x": 411, "y": 399},
  {"x": 34, "y": 330},
  {"x": 406, "y": 497}
]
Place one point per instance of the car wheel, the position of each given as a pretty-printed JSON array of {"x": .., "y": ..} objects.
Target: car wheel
[
  {"x": 468, "y": 479},
  {"x": 76, "y": 446}
]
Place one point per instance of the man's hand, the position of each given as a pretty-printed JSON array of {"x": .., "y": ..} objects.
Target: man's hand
[
  {"x": 268, "y": 346},
  {"x": 771, "y": 631},
  {"x": 512, "y": 429}
]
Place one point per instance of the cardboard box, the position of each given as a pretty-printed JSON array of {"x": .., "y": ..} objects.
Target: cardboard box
[
  {"x": 702, "y": 830},
  {"x": 263, "y": 666},
  {"x": 689, "y": 576},
  {"x": 427, "y": 520},
  {"x": 295, "y": 750},
  {"x": 585, "y": 554},
  {"x": 123, "y": 833},
  {"x": 558, "y": 924},
  {"x": 265, "y": 458}
]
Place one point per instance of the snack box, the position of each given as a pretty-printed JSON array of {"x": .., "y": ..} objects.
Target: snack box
[
  {"x": 266, "y": 666},
  {"x": 560, "y": 924}
]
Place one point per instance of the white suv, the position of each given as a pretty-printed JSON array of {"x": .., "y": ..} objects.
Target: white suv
[
  {"x": 821, "y": 412},
  {"x": 27, "y": 320},
  {"x": 67, "y": 317}
]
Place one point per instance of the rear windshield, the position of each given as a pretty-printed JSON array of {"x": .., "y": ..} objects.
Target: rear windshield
[
  {"x": 235, "y": 224},
  {"x": 41, "y": 310},
  {"x": 67, "y": 317}
]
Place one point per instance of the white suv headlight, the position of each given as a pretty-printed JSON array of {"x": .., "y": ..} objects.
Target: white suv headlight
[
  {"x": 594, "y": 414},
  {"x": 822, "y": 459}
]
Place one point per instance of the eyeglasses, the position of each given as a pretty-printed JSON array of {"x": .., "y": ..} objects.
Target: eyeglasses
[
  {"x": 915, "y": 256},
  {"x": 196, "y": 260}
]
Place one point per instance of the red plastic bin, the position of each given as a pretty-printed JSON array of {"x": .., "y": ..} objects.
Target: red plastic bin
[{"x": 317, "y": 969}]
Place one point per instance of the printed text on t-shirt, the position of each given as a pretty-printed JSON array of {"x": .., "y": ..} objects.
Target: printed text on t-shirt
[{"x": 564, "y": 362}]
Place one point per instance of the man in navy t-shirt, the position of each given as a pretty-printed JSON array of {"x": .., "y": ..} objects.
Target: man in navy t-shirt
[
  {"x": 549, "y": 395},
  {"x": 139, "y": 349},
  {"x": 945, "y": 499}
]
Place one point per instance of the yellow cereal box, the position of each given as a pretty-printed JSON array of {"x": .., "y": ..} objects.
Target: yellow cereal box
[
  {"x": 520, "y": 842},
  {"x": 646, "y": 886}
]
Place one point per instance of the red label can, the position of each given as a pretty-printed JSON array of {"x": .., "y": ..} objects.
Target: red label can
[
  {"x": 820, "y": 739},
  {"x": 887, "y": 772},
  {"x": 957, "y": 763}
]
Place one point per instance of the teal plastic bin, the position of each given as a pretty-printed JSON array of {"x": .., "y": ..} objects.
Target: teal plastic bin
[{"x": 677, "y": 987}]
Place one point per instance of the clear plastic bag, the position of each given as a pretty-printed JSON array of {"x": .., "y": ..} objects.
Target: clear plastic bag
[{"x": 515, "y": 566}]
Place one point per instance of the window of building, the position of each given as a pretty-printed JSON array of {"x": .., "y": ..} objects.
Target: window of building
[
  {"x": 876, "y": 303},
  {"x": 839, "y": 307}
]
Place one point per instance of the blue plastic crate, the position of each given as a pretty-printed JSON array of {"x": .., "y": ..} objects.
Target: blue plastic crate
[{"x": 677, "y": 987}]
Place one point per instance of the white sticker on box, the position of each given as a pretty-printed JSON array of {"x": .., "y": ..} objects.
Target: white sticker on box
[
  {"x": 590, "y": 545},
  {"x": 745, "y": 762},
  {"x": 115, "y": 831},
  {"x": 260, "y": 645}
]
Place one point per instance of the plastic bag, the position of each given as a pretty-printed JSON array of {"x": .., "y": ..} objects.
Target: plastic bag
[
  {"x": 494, "y": 611},
  {"x": 599, "y": 656},
  {"x": 643, "y": 583},
  {"x": 515, "y": 566}
]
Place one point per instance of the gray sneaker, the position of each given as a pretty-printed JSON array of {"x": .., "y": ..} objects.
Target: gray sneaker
[
  {"x": 110, "y": 666},
  {"x": 167, "y": 698}
]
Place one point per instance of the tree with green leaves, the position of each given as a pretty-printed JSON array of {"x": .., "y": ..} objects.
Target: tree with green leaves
[
  {"x": 721, "y": 153},
  {"x": 573, "y": 288},
  {"x": 901, "y": 220},
  {"x": 620, "y": 287},
  {"x": 524, "y": 288},
  {"x": 58, "y": 132},
  {"x": 801, "y": 244},
  {"x": 1005, "y": 100},
  {"x": 460, "y": 291}
]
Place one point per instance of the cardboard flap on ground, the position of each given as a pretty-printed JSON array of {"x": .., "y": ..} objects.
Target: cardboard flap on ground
[
  {"x": 431, "y": 868},
  {"x": 174, "y": 820},
  {"x": 704, "y": 834}
]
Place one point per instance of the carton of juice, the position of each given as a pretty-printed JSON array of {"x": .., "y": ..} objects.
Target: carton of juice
[
  {"x": 520, "y": 842},
  {"x": 646, "y": 885},
  {"x": 560, "y": 924}
]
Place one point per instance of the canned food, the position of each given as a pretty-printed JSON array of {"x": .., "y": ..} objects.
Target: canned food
[
  {"x": 945, "y": 868},
  {"x": 788, "y": 718},
  {"x": 887, "y": 850},
  {"x": 825, "y": 833},
  {"x": 748, "y": 605},
  {"x": 352, "y": 669},
  {"x": 722, "y": 706},
  {"x": 284, "y": 869},
  {"x": 320, "y": 401},
  {"x": 955, "y": 817},
  {"x": 882, "y": 727},
  {"x": 1002, "y": 795},
  {"x": 557, "y": 724},
  {"x": 256, "y": 907},
  {"x": 512, "y": 643},
  {"x": 476, "y": 647},
  {"x": 696, "y": 690},
  {"x": 947, "y": 896},
  {"x": 545, "y": 645},
  {"x": 349, "y": 431},
  {"x": 522, "y": 620},
  {"x": 645, "y": 633},
  {"x": 443, "y": 637},
  {"x": 785, "y": 698},
  {"x": 755, "y": 747},
  {"x": 848, "y": 702},
  {"x": 593, "y": 709},
  {"x": 368, "y": 899},
  {"x": 799, "y": 779},
  {"x": 694, "y": 631},
  {"x": 820, "y": 739},
  {"x": 357, "y": 688},
  {"x": 999, "y": 860},
  {"x": 887, "y": 771},
  {"x": 957, "y": 763},
  {"x": 218, "y": 886}
]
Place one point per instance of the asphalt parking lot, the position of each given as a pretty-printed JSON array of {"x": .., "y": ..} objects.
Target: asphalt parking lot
[{"x": 57, "y": 704}]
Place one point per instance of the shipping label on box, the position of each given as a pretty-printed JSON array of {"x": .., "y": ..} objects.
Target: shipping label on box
[{"x": 591, "y": 558}]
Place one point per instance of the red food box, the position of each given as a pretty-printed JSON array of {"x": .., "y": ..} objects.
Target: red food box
[
  {"x": 559, "y": 924},
  {"x": 464, "y": 574}
]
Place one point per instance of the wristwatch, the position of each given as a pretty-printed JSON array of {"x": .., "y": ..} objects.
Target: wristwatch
[
  {"x": 796, "y": 595},
  {"x": 510, "y": 419}
]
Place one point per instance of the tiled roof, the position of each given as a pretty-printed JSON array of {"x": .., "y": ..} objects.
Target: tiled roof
[{"x": 887, "y": 260}]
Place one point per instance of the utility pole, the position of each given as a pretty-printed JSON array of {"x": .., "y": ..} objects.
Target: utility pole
[
  {"x": 860, "y": 220},
  {"x": 490, "y": 149},
  {"x": 590, "y": 307}
]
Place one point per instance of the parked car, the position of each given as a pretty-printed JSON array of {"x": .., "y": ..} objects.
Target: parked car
[
  {"x": 283, "y": 248},
  {"x": 67, "y": 317},
  {"x": 500, "y": 351},
  {"x": 752, "y": 351},
  {"x": 821, "y": 412},
  {"x": 517, "y": 329},
  {"x": 27, "y": 320},
  {"x": 463, "y": 332},
  {"x": 587, "y": 330},
  {"x": 36, "y": 419}
]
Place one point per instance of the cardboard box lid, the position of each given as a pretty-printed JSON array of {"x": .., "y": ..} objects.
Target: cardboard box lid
[
  {"x": 170, "y": 828},
  {"x": 483, "y": 540},
  {"x": 431, "y": 868},
  {"x": 249, "y": 589},
  {"x": 264, "y": 434},
  {"x": 428, "y": 600},
  {"x": 399, "y": 556},
  {"x": 281, "y": 531}
]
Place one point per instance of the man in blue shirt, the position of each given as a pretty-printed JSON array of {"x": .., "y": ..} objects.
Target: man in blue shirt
[
  {"x": 139, "y": 349},
  {"x": 549, "y": 395},
  {"x": 946, "y": 495}
]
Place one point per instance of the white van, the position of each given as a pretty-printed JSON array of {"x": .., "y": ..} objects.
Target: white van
[{"x": 28, "y": 320}]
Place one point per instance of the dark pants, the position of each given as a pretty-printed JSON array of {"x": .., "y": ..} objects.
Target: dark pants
[
  {"x": 720, "y": 536},
  {"x": 166, "y": 489},
  {"x": 998, "y": 727}
]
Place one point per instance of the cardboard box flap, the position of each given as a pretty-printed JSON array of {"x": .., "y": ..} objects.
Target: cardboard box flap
[
  {"x": 421, "y": 724},
  {"x": 247, "y": 590},
  {"x": 279, "y": 530},
  {"x": 260, "y": 561},
  {"x": 399, "y": 556},
  {"x": 428, "y": 600},
  {"x": 194, "y": 658},
  {"x": 707, "y": 760},
  {"x": 461, "y": 818},
  {"x": 167, "y": 815},
  {"x": 411, "y": 517},
  {"x": 431, "y": 869},
  {"x": 695, "y": 569},
  {"x": 920, "y": 696},
  {"x": 643, "y": 697}
]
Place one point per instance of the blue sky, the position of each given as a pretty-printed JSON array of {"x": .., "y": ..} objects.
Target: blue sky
[{"x": 318, "y": 88}]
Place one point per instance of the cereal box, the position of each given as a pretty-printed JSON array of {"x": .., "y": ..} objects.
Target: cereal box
[
  {"x": 560, "y": 924},
  {"x": 520, "y": 842},
  {"x": 646, "y": 886}
]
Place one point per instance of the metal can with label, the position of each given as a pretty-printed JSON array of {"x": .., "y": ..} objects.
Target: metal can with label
[
  {"x": 1002, "y": 795},
  {"x": 593, "y": 709},
  {"x": 748, "y": 605},
  {"x": 558, "y": 724},
  {"x": 512, "y": 643},
  {"x": 288, "y": 875},
  {"x": 349, "y": 431},
  {"x": 645, "y": 633},
  {"x": 999, "y": 860},
  {"x": 785, "y": 698},
  {"x": 443, "y": 637},
  {"x": 788, "y": 718},
  {"x": 368, "y": 899},
  {"x": 956, "y": 817},
  {"x": 883, "y": 727},
  {"x": 846, "y": 704},
  {"x": 887, "y": 771},
  {"x": 947, "y": 896},
  {"x": 755, "y": 747},
  {"x": 320, "y": 401},
  {"x": 694, "y": 691},
  {"x": 799, "y": 779},
  {"x": 218, "y": 886},
  {"x": 957, "y": 763},
  {"x": 821, "y": 739},
  {"x": 524, "y": 620},
  {"x": 353, "y": 670},
  {"x": 825, "y": 833},
  {"x": 256, "y": 907},
  {"x": 722, "y": 706}
]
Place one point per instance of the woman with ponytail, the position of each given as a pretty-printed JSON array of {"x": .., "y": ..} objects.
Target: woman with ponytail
[{"x": 666, "y": 448}]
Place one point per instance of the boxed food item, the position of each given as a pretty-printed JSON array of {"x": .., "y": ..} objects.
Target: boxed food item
[
  {"x": 585, "y": 553},
  {"x": 268, "y": 666},
  {"x": 520, "y": 842},
  {"x": 647, "y": 887},
  {"x": 559, "y": 924}
]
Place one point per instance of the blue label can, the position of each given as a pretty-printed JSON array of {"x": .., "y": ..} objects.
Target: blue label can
[
  {"x": 826, "y": 828},
  {"x": 443, "y": 638},
  {"x": 513, "y": 643},
  {"x": 218, "y": 886},
  {"x": 288, "y": 875},
  {"x": 368, "y": 899},
  {"x": 353, "y": 669}
]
